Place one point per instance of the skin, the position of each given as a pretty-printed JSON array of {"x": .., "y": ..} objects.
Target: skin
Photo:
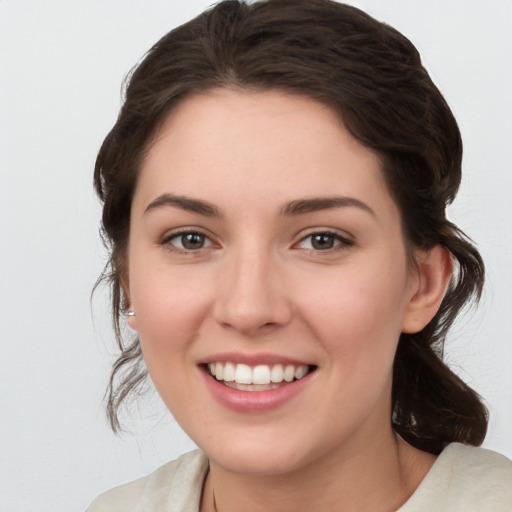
[{"x": 258, "y": 285}]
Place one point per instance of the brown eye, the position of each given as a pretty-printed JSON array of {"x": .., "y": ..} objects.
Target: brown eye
[
  {"x": 324, "y": 241},
  {"x": 190, "y": 241}
]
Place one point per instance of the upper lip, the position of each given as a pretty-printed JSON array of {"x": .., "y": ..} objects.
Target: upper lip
[{"x": 252, "y": 359}]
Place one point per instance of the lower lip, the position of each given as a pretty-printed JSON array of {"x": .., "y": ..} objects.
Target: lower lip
[{"x": 253, "y": 401}]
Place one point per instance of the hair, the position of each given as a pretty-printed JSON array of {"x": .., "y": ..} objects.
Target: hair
[{"x": 372, "y": 76}]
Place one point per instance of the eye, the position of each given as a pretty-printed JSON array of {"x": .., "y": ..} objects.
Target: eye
[
  {"x": 188, "y": 240},
  {"x": 324, "y": 241}
]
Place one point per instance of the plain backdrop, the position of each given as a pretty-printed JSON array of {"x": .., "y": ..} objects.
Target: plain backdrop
[{"x": 61, "y": 67}]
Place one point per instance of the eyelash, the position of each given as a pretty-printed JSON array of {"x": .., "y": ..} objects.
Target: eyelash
[
  {"x": 340, "y": 242},
  {"x": 168, "y": 240}
]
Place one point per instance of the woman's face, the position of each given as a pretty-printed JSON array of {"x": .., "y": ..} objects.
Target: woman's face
[{"x": 264, "y": 245}]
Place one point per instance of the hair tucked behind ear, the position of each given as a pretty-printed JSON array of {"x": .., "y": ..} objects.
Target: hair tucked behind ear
[
  {"x": 431, "y": 405},
  {"x": 372, "y": 76}
]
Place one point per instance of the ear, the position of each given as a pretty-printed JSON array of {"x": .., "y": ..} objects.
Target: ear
[
  {"x": 432, "y": 276},
  {"x": 131, "y": 319}
]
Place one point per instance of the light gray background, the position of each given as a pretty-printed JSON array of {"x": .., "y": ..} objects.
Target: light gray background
[{"x": 61, "y": 66}]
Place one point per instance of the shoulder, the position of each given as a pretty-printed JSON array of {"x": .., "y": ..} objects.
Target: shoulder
[
  {"x": 178, "y": 481},
  {"x": 477, "y": 470},
  {"x": 465, "y": 478}
]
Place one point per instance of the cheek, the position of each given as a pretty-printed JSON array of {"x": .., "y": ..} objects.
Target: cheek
[
  {"x": 358, "y": 314},
  {"x": 357, "y": 322},
  {"x": 169, "y": 307},
  {"x": 169, "y": 313}
]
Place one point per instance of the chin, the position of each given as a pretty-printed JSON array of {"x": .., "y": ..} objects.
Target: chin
[
  {"x": 255, "y": 462},
  {"x": 260, "y": 452}
]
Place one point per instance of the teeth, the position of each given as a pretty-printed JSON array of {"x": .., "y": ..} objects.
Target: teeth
[
  {"x": 229, "y": 372},
  {"x": 219, "y": 371},
  {"x": 300, "y": 372},
  {"x": 243, "y": 374},
  {"x": 277, "y": 373},
  {"x": 259, "y": 375},
  {"x": 289, "y": 373}
]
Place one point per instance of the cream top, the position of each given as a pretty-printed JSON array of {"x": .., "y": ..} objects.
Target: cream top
[{"x": 463, "y": 479}]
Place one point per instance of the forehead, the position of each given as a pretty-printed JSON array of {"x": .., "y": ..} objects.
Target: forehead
[{"x": 270, "y": 145}]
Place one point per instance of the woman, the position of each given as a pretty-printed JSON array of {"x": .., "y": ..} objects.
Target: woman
[{"x": 274, "y": 197}]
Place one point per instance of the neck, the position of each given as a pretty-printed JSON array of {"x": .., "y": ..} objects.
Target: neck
[{"x": 378, "y": 476}]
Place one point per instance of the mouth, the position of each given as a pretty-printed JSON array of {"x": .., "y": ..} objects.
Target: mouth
[{"x": 262, "y": 377}]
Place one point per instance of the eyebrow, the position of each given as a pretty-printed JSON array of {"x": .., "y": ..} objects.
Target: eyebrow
[
  {"x": 298, "y": 207},
  {"x": 185, "y": 203},
  {"x": 315, "y": 204}
]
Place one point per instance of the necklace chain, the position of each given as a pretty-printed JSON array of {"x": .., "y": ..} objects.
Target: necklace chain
[{"x": 214, "y": 502}]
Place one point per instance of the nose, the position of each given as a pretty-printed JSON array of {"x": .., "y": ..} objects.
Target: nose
[{"x": 251, "y": 295}]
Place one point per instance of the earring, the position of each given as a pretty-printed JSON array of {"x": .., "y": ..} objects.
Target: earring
[{"x": 130, "y": 313}]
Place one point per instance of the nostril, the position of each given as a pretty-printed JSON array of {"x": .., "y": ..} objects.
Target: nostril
[{"x": 250, "y": 301}]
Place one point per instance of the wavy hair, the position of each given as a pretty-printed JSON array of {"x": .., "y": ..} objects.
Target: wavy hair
[{"x": 372, "y": 76}]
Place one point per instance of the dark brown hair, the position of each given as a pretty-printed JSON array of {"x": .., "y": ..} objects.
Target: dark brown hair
[{"x": 373, "y": 77}]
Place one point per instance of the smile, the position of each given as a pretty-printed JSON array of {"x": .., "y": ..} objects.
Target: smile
[
  {"x": 256, "y": 383},
  {"x": 256, "y": 378}
]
